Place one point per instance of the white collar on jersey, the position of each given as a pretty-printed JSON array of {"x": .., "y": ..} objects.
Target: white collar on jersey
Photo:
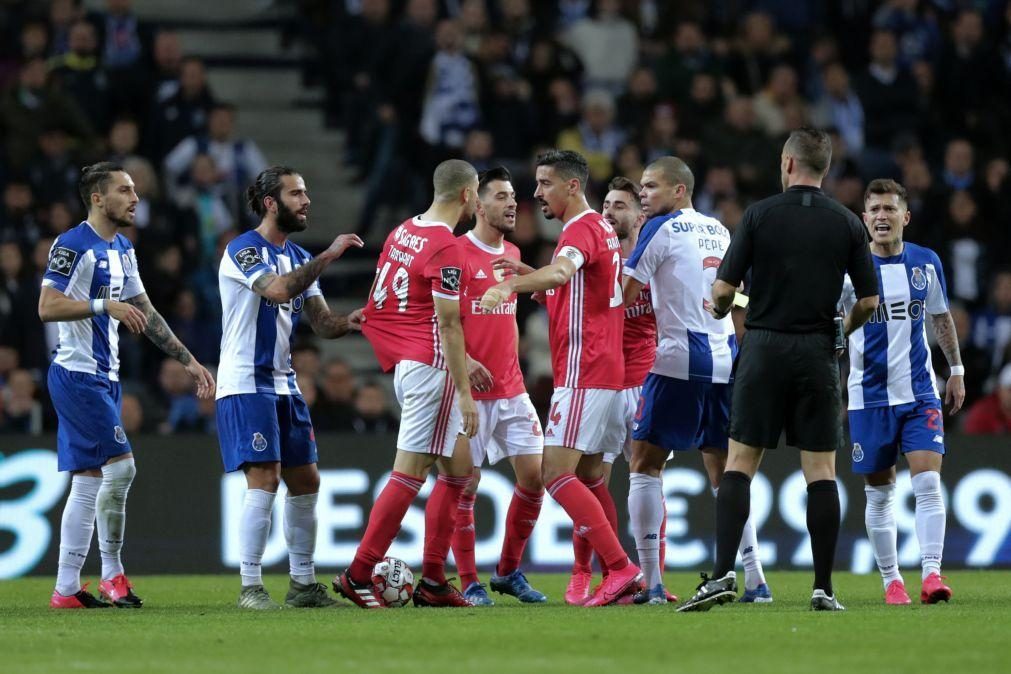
[
  {"x": 483, "y": 246},
  {"x": 571, "y": 220},
  {"x": 429, "y": 223}
]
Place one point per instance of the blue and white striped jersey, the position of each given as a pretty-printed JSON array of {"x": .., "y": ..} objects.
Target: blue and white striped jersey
[
  {"x": 889, "y": 356},
  {"x": 256, "y": 333},
  {"x": 84, "y": 266},
  {"x": 678, "y": 255}
]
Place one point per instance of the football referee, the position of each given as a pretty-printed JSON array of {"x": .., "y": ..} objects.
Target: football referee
[{"x": 798, "y": 246}]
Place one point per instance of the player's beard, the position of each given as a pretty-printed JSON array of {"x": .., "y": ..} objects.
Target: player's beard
[
  {"x": 499, "y": 225},
  {"x": 546, "y": 209},
  {"x": 287, "y": 219},
  {"x": 621, "y": 229},
  {"x": 120, "y": 220}
]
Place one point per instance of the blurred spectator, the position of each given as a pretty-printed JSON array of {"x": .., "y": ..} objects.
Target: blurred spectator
[
  {"x": 372, "y": 411},
  {"x": 966, "y": 73},
  {"x": 509, "y": 115},
  {"x": 168, "y": 61},
  {"x": 305, "y": 360},
  {"x": 840, "y": 107},
  {"x": 20, "y": 328},
  {"x": 976, "y": 361},
  {"x": 758, "y": 50},
  {"x": 132, "y": 414},
  {"x": 123, "y": 140},
  {"x": 82, "y": 76},
  {"x": 772, "y": 103},
  {"x": 62, "y": 16},
  {"x": 54, "y": 173},
  {"x": 963, "y": 250},
  {"x": 703, "y": 107},
  {"x": 738, "y": 142},
  {"x": 596, "y": 136},
  {"x": 177, "y": 391},
  {"x": 916, "y": 29},
  {"x": 450, "y": 108},
  {"x": 635, "y": 107},
  {"x": 719, "y": 184},
  {"x": 992, "y": 415},
  {"x": 205, "y": 203},
  {"x": 22, "y": 413},
  {"x": 334, "y": 408},
  {"x": 608, "y": 46},
  {"x": 123, "y": 36},
  {"x": 991, "y": 329},
  {"x": 479, "y": 149},
  {"x": 17, "y": 217},
  {"x": 688, "y": 56},
  {"x": 959, "y": 172},
  {"x": 200, "y": 335},
  {"x": 182, "y": 114},
  {"x": 887, "y": 92}
]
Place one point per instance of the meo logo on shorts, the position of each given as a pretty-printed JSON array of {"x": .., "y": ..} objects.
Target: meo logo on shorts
[
  {"x": 259, "y": 442},
  {"x": 62, "y": 260},
  {"x": 858, "y": 452}
]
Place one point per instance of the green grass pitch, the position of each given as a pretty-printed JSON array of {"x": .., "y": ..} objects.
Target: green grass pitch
[{"x": 190, "y": 624}]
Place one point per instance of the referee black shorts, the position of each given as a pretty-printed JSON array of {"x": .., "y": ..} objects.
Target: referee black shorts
[{"x": 787, "y": 382}]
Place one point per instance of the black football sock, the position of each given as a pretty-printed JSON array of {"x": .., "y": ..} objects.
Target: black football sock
[
  {"x": 823, "y": 525},
  {"x": 733, "y": 504}
]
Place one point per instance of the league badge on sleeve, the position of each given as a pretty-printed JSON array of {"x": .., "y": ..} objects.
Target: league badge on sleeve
[
  {"x": 247, "y": 258},
  {"x": 62, "y": 260},
  {"x": 451, "y": 279}
]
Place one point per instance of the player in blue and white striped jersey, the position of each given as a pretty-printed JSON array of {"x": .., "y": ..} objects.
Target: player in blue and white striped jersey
[
  {"x": 266, "y": 284},
  {"x": 894, "y": 404},
  {"x": 685, "y": 400},
  {"x": 90, "y": 286}
]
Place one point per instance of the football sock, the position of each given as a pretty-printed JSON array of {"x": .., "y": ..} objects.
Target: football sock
[
  {"x": 930, "y": 520},
  {"x": 384, "y": 523},
  {"x": 254, "y": 528},
  {"x": 588, "y": 519},
  {"x": 440, "y": 520},
  {"x": 582, "y": 554},
  {"x": 464, "y": 540},
  {"x": 75, "y": 532},
  {"x": 663, "y": 538},
  {"x": 733, "y": 505},
  {"x": 879, "y": 518},
  {"x": 524, "y": 509},
  {"x": 603, "y": 496},
  {"x": 823, "y": 525},
  {"x": 300, "y": 535},
  {"x": 646, "y": 511},
  {"x": 111, "y": 514}
]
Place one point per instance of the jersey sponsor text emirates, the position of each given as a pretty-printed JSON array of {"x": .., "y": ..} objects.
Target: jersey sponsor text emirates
[
  {"x": 491, "y": 337},
  {"x": 639, "y": 339},
  {"x": 420, "y": 260},
  {"x": 586, "y": 315}
]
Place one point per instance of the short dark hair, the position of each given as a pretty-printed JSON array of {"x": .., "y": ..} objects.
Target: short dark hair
[
  {"x": 568, "y": 164},
  {"x": 886, "y": 186},
  {"x": 267, "y": 184},
  {"x": 623, "y": 184},
  {"x": 811, "y": 148},
  {"x": 95, "y": 178},
  {"x": 450, "y": 177},
  {"x": 675, "y": 171},
  {"x": 491, "y": 175}
]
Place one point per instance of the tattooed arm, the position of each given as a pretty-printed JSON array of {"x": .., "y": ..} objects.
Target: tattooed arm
[
  {"x": 326, "y": 323},
  {"x": 282, "y": 288},
  {"x": 947, "y": 339},
  {"x": 161, "y": 335}
]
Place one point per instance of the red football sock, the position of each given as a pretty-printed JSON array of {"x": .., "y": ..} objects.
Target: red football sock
[
  {"x": 384, "y": 523},
  {"x": 588, "y": 519},
  {"x": 463, "y": 540},
  {"x": 603, "y": 495},
  {"x": 582, "y": 553},
  {"x": 524, "y": 509},
  {"x": 663, "y": 538},
  {"x": 440, "y": 520}
]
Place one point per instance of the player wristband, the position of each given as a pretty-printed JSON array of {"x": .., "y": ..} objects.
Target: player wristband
[
  {"x": 957, "y": 370},
  {"x": 98, "y": 307}
]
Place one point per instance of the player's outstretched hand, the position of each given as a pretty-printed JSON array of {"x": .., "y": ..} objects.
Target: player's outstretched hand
[
  {"x": 355, "y": 320},
  {"x": 495, "y": 296},
  {"x": 468, "y": 409},
  {"x": 343, "y": 242},
  {"x": 203, "y": 379},
  {"x": 127, "y": 314},
  {"x": 480, "y": 378},
  {"x": 954, "y": 392},
  {"x": 514, "y": 266}
]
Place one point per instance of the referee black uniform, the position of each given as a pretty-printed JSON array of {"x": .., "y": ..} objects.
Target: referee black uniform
[{"x": 798, "y": 246}]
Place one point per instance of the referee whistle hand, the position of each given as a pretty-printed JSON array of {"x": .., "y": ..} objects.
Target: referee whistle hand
[
  {"x": 203, "y": 379},
  {"x": 468, "y": 411},
  {"x": 954, "y": 392},
  {"x": 127, "y": 314}
]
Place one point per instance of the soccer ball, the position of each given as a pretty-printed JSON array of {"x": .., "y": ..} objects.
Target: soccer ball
[{"x": 394, "y": 581}]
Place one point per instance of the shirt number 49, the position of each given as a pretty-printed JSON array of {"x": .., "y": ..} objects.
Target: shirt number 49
[{"x": 399, "y": 286}]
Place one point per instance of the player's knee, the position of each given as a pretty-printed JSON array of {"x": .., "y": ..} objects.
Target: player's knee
[
  {"x": 119, "y": 472},
  {"x": 530, "y": 481},
  {"x": 475, "y": 480}
]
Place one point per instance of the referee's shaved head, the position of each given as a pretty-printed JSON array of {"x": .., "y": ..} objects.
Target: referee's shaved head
[
  {"x": 811, "y": 149},
  {"x": 452, "y": 177},
  {"x": 673, "y": 171}
]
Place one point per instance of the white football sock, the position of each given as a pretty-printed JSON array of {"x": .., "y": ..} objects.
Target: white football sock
[
  {"x": 300, "y": 534},
  {"x": 879, "y": 517},
  {"x": 75, "y": 532},
  {"x": 754, "y": 575},
  {"x": 646, "y": 510},
  {"x": 254, "y": 528},
  {"x": 930, "y": 520},
  {"x": 111, "y": 515}
]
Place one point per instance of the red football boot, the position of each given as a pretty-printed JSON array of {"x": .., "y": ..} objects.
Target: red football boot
[
  {"x": 896, "y": 595},
  {"x": 439, "y": 596},
  {"x": 578, "y": 591},
  {"x": 617, "y": 584},
  {"x": 119, "y": 592},
  {"x": 363, "y": 595},
  {"x": 81, "y": 599},
  {"x": 934, "y": 590}
]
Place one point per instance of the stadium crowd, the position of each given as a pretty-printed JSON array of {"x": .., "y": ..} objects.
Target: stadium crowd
[{"x": 916, "y": 90}]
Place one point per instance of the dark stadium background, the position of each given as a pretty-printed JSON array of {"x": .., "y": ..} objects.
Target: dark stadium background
[{"x": 366, "y": 96}]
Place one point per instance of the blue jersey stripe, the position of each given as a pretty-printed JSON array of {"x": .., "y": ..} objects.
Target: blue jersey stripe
[
  {"x": 266, "y": 338},
  {"x": 646, "y": 235},
  {"x": 700, "y": 357}
]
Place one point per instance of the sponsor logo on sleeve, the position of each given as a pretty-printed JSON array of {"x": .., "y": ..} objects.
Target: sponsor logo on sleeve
[
  {"x": 247, "y": 258},
  {"x": 62, "y": 260},
  {"x": 451, "y": 279}
]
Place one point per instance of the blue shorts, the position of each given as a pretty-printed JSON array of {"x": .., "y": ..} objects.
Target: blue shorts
[
  {"x": 880, "y": 433},
  {"x": 90, "y": 431},
  {"x": 264, "y": 427},
  {"x": 675, "y": 414}
]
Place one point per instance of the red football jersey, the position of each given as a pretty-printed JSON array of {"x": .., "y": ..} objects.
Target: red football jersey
[
  {"x": 420, "y": 259},
  {"x": 639, "y": 339},
  {"x": 586, "y": 315},
  {"x": 492, "y": 339}
]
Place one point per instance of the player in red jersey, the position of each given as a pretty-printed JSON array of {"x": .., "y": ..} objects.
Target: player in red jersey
[
  {"x": 508, "y": 426},
  {"x": 585, "y": 318},
  {"x": 412, "y": 320}
]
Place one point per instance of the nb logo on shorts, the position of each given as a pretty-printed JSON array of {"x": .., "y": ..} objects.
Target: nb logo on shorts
[
  {"x": 119, "y": 434},
  {"x": 939, "y": 439},
  {"x": 858, "y": 452},
  {"x": 259, "y": 442}
]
